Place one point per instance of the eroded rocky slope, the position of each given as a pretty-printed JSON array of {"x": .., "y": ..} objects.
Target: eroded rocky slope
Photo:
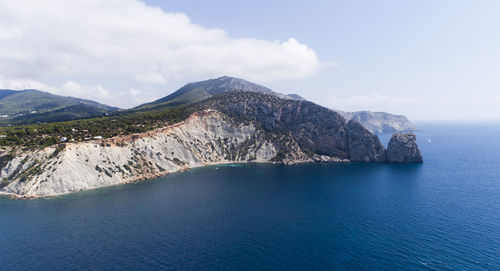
[{"x": 205, "y": 138}]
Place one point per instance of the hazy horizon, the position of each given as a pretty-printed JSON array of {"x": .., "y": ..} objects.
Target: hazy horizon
[{"x": 427, "y": 60}]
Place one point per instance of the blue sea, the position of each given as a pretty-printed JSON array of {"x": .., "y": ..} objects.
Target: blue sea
[{"x": 440, "y": 215}]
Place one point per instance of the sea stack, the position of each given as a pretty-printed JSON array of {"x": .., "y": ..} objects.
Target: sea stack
[{"x": 403, "y": 148}]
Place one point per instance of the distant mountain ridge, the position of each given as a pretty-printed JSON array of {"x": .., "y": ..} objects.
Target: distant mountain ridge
[
  {"x": 380, "y": 122},
  {"x": 29, "y": 106}
]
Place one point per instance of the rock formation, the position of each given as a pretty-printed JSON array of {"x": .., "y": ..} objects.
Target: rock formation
[
  {"x": 403, "y": 148},
  {"x": 315, "y": 128},
  {"x": 363, "y": 145}
]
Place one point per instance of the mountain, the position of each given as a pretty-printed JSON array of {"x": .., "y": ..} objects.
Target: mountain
[
  {"x": 233, "y": 126},
  {"x": 376, "y": 122},
  {"x": 198, "y": 91},
  {"x": 30, "y": 106},
  {"x": 315, "y": 129},
  {"x": 380, "y": 122}
]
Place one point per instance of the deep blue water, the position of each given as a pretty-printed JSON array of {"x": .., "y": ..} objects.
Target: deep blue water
[{"x": 441, "y": 215}]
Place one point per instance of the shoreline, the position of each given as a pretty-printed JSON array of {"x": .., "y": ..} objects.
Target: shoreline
[{"x": 146, "y": 177}]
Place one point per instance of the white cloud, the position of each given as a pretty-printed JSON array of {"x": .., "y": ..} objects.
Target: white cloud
[
  {"x": 118, "y": 98},
  {"x": 60, "y": 39},
  {"x": 121, "y": 99},
  {"x": 154, "y": 78},
  {"x": 98, "y": 92},
  {"x": 24, "y": 84}
]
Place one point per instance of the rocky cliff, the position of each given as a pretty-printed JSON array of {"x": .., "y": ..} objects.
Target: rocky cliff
[
  {"x": 231, "y": 127},
  {"x": 403, "y": 148},
  {"x": 205, "y": 138},
  {"x": 316, "y": 129},
  {"x": 363, "y": 145}
]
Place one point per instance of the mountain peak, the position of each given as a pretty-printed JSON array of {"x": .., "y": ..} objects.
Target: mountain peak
[{"x": 198, "y": 91}]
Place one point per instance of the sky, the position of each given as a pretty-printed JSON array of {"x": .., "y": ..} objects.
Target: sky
[{"x": 430, "y": 60}]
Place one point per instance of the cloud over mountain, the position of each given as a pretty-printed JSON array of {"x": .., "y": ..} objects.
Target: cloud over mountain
[{"x": 47, "y": 40}]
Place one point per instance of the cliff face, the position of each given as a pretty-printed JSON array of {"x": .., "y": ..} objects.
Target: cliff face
[
  {"x": 231, "y": 127},
  {"x": 205, "y": 138},
  {"x": 315, "y": 128},
  {"x": 363, "y": 145},
  {"x": 403, "y": 148}
]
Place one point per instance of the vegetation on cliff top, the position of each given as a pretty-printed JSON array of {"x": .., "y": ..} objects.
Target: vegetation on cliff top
[{"x": 122, "y": 123}]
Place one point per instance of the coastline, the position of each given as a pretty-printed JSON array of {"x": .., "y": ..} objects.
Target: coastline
[
  {"x": 152, "y": 176},
  {"x": 206, "y": 138}
]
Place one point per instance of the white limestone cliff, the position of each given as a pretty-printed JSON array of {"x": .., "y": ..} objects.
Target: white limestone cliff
[{"x": 205, "y": 138}]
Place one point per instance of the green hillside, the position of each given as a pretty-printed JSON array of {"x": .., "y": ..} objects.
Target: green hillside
[{"x": 29, "y": 106}]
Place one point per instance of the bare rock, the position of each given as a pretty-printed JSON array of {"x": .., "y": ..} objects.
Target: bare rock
[
  {"x": 403, "y": 148},
  {"x": 363, "y": 145}
]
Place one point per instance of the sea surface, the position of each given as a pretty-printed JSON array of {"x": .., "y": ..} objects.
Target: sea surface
[{"x": 440, "y": 215}]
